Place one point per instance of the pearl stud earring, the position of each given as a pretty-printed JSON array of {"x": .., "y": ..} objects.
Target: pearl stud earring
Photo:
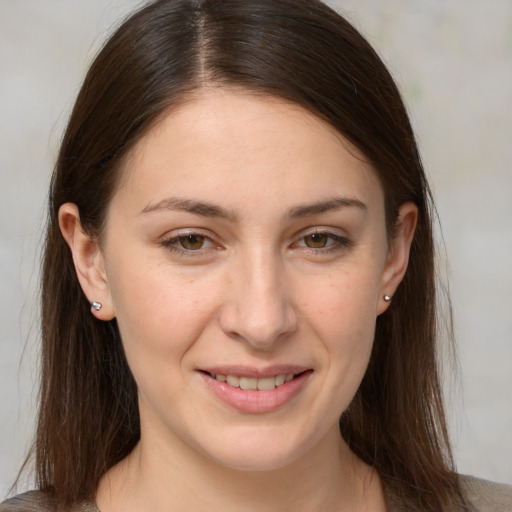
[{"x": 96, "y": 306}]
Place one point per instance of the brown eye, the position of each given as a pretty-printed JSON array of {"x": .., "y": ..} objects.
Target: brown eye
[
  {"x": 192, "y": 242},
  {"x": 316, "y": 240}
]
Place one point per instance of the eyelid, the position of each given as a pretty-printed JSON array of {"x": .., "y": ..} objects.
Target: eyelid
[
  {"x": 322, "y": 230},
  {"x": 169, "y": 240},
  {"x": 340, "y": 241}
]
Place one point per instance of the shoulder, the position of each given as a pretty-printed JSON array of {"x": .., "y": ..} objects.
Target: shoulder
[
  {"x": 37, "y": 501},
  {"x": 32, "y": 501},
  {"x": 479, "y": 496},
  {"x": 485, "y": 496}
]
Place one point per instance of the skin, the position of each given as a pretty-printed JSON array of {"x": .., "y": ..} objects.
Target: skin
[{"x": 281, "y": 271}]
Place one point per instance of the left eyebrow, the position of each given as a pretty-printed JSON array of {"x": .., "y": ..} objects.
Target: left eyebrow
[
  {"x": 200, "y": 208},
  {"x": 336, "y": 203}
]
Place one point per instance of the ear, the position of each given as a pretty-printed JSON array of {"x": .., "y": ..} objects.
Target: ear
[
  {"x": 88, "y": 260},
  {"x": 398, "y": 254}
]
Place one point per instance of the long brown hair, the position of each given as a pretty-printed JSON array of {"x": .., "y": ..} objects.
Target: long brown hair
[{"x": 299, "y": 50}]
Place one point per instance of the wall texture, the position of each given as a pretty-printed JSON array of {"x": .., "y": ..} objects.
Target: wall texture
[{"x": 453, "y": 61}]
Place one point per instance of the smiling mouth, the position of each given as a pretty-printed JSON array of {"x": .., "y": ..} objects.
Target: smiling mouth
[
  {"x": 256, "y": 391},
  {"x": 253, "y": 383}
]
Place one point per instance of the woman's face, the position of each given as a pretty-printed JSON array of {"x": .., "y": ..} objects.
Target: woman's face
[{"x": 246, "y": 247}]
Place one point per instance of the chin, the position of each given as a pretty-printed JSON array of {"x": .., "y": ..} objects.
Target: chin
[{"x": 257, "y": 452}]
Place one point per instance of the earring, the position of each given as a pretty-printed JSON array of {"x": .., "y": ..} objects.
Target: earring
[
  {"x": 387, "y": 298},
  {"x": 96, "y": 306}
]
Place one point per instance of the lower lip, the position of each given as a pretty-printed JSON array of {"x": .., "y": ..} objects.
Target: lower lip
[{"x": 253, "y": 401}]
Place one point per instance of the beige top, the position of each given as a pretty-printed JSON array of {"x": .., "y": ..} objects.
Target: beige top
[{"x": 482, "y": 495}]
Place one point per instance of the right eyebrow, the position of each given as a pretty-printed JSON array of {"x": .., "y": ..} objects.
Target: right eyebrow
[{"x": 204, "y": 209}]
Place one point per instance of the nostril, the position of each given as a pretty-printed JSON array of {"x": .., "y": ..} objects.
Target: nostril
[{"x": 258, "y": 309}]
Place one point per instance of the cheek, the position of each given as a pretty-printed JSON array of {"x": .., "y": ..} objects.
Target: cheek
[
  {"x": 342, "y": 315},
  {"x": 159, "y": 313},
  {"x": 345, "y": 301}
]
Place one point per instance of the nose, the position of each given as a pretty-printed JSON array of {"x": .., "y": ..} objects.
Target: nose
[{"x": 259, "y": 308}]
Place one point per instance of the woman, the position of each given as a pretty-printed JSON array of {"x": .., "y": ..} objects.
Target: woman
[{"x": 238, "y": 304}]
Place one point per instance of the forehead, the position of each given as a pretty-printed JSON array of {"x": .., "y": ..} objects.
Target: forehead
[{"x": 257, "y": 147}]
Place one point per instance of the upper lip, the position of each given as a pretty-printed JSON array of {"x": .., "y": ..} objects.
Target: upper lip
[{"x": 257, "y": 373}]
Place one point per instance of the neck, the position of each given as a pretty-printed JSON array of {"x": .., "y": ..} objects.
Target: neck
[{"x": 327, "y": 478}]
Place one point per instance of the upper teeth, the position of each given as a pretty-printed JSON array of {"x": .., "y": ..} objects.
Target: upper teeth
[{"x": 264, "y": 384}]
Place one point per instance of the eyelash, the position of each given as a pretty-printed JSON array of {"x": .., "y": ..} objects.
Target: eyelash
[
  {"x": 170, "y": 244},
  {"x": 339, "y": 243}
]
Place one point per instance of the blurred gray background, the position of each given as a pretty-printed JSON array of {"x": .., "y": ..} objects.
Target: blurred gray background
[{"x": 453, "y": 62}]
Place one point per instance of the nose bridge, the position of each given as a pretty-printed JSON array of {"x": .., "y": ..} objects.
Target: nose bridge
[{"x": 260, "y": 309}]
